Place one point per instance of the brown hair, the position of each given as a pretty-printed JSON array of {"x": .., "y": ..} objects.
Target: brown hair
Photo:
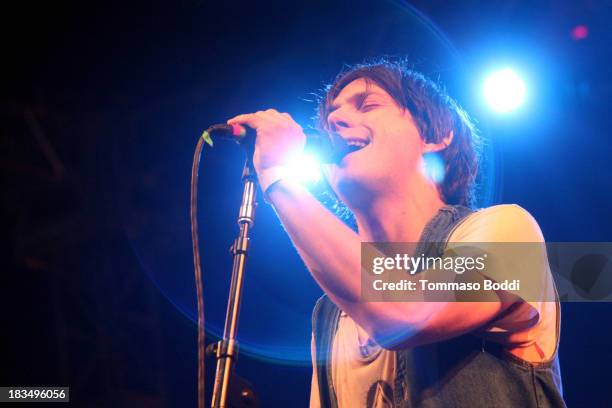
[{"x": 435, "y": 115}]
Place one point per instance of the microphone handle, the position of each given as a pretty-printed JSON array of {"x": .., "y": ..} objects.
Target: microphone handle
[
  {"x": 234, "y": 132},
  {"x": 316, "y": 144}
]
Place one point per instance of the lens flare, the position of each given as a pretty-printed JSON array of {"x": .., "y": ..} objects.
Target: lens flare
[
  {"x": 433, "y": 167},
  {"x": 504, "y": 90},
  {"x": 306, "y": 169}
]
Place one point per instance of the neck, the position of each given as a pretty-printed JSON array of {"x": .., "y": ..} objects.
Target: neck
[{"x": 400, "y": 215}]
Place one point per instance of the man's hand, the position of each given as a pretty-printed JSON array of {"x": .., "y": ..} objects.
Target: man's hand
[{"x": 279, "y": 138}]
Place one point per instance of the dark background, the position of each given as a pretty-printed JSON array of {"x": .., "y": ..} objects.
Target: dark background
[{"x": 101, "y": 107}]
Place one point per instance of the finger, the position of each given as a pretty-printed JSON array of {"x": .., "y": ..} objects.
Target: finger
[
  {"x": 273, "y": 113},
  {"x": 255, "y": 120},
  {"x": 276, "y": 116},
  {"x": 281, "y": 115},
  {"x": 250, "y": 119}
]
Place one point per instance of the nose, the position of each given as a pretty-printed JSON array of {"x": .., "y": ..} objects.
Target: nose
[{"x": 339, "y": 119}]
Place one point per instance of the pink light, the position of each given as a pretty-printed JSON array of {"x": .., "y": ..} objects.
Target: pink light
[{"x": 580, "y": 32}]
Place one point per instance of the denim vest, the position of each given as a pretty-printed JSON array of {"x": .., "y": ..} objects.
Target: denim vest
[{"x": 465, "y": 371}]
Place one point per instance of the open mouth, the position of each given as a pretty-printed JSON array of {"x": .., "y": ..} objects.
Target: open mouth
[{"x": 345, "y": 147}]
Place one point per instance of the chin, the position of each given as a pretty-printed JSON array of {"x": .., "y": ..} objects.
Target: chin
[{"x": 354, "y": 186}]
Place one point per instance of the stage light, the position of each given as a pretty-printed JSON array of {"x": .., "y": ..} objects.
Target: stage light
[
  {"x": 504, "y": 90},
  {"x": 306, "y": 169}
]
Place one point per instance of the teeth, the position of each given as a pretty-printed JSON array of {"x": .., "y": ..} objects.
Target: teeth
[{"x": 356, "y": 143}]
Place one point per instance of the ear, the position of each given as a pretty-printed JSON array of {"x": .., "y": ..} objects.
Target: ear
[{"x": 436, "y": 147}]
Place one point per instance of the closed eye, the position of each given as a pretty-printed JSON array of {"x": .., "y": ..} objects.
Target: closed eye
[{"x": 369, "y": 106}]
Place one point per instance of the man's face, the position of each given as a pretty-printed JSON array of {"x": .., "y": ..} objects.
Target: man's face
[{"x": 386, "y": 147}]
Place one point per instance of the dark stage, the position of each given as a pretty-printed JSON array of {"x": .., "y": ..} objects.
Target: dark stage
[{"x": 102, "y": 106}]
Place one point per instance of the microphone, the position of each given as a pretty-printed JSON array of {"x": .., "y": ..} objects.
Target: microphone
[
  {"x": 319, "y": 145},
  {"x": 237, "y": 133}
]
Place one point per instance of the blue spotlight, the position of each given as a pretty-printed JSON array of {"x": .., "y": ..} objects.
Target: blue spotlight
[
  {"x": 504, "y": 90},
  {"x": 306, "y": 169}
]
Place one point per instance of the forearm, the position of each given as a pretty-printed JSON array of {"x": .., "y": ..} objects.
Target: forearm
[
  {"x": 330, "y": 249},
  {"x": 332, "y": 253}
]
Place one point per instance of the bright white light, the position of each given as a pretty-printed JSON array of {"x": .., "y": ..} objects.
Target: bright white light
[
  {"x": 433, "y": 167},
  {"x": 504, "y": 91},
  {"x": 305, "y": 169}
]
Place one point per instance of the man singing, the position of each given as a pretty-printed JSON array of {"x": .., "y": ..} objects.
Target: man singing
[{"x": 498, "y": 353}]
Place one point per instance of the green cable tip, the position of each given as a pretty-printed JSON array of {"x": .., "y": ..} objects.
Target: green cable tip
[{"x": 207, "y": 138}]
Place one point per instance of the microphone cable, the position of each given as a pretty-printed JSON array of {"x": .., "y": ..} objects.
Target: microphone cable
[{"x": 193, "y": 212}]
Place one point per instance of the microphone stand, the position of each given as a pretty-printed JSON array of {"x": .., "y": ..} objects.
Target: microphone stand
[{"x": 226, "y": 350}]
